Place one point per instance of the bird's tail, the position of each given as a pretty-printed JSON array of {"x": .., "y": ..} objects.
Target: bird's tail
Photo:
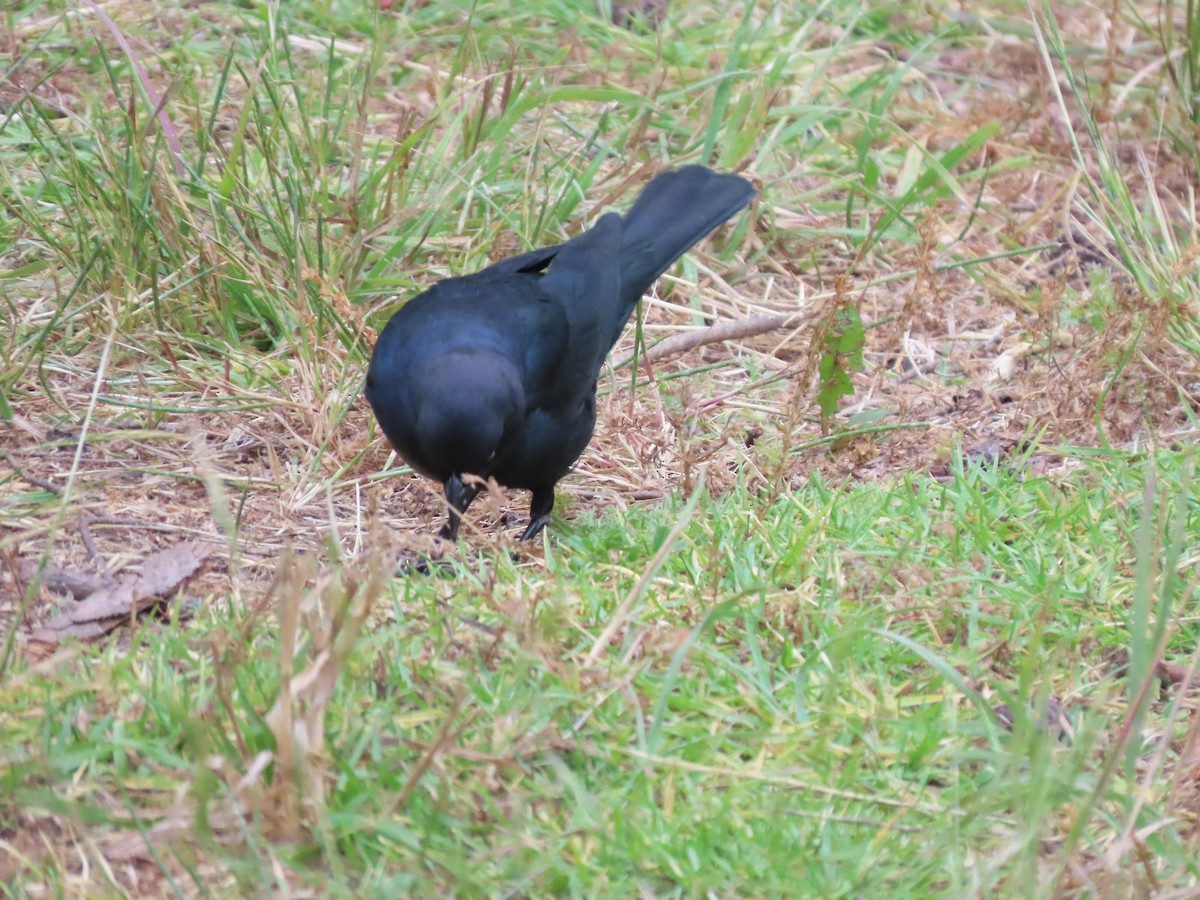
[{"x": 675, "y": 211}]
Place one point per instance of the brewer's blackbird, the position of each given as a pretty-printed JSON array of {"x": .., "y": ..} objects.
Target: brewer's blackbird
[{"x": 494, "y": 374}]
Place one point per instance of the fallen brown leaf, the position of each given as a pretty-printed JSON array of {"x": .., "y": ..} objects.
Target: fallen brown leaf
[
  {"x": 105, "y": 609},
  {"x": 76, "y": 582}
]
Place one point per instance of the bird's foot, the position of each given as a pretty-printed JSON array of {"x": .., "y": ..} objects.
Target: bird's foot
[
  {"x": 535, "y": 527},
  {"x": 541, "y": 505},
  {"x": 459, "y": 495}
]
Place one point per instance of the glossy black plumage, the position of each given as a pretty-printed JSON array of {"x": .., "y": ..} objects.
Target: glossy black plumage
[{"x": 494, "y": 374}]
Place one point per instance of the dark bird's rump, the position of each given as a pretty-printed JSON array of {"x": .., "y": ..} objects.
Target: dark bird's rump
[{"x": 494, "y": 374}]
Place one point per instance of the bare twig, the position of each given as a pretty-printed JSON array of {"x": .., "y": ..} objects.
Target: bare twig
[
  {"x": 728, "y": 330},
  {"x": 30, "y": 477},
  {"x": 89, "y": 541}
]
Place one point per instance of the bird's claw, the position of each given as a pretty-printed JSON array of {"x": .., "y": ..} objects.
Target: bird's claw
[{"x": 535, "y": 527}]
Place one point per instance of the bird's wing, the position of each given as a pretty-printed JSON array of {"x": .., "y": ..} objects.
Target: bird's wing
[
  {"x": 527, "y": 263},
  {"x": 584, "y": 279}
]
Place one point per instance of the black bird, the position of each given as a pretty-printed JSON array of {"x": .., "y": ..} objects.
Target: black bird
[{"x": 494, "y": 374}]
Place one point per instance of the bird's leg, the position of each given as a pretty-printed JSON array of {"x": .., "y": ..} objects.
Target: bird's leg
[
  {"x": 540, "y": 507},
  {"x": 459, "y": 497}
]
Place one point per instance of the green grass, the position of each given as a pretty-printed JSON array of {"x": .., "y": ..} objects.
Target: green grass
[
  {"x": 824, "y": 715},
  {"x": 782, "y": 678}
]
